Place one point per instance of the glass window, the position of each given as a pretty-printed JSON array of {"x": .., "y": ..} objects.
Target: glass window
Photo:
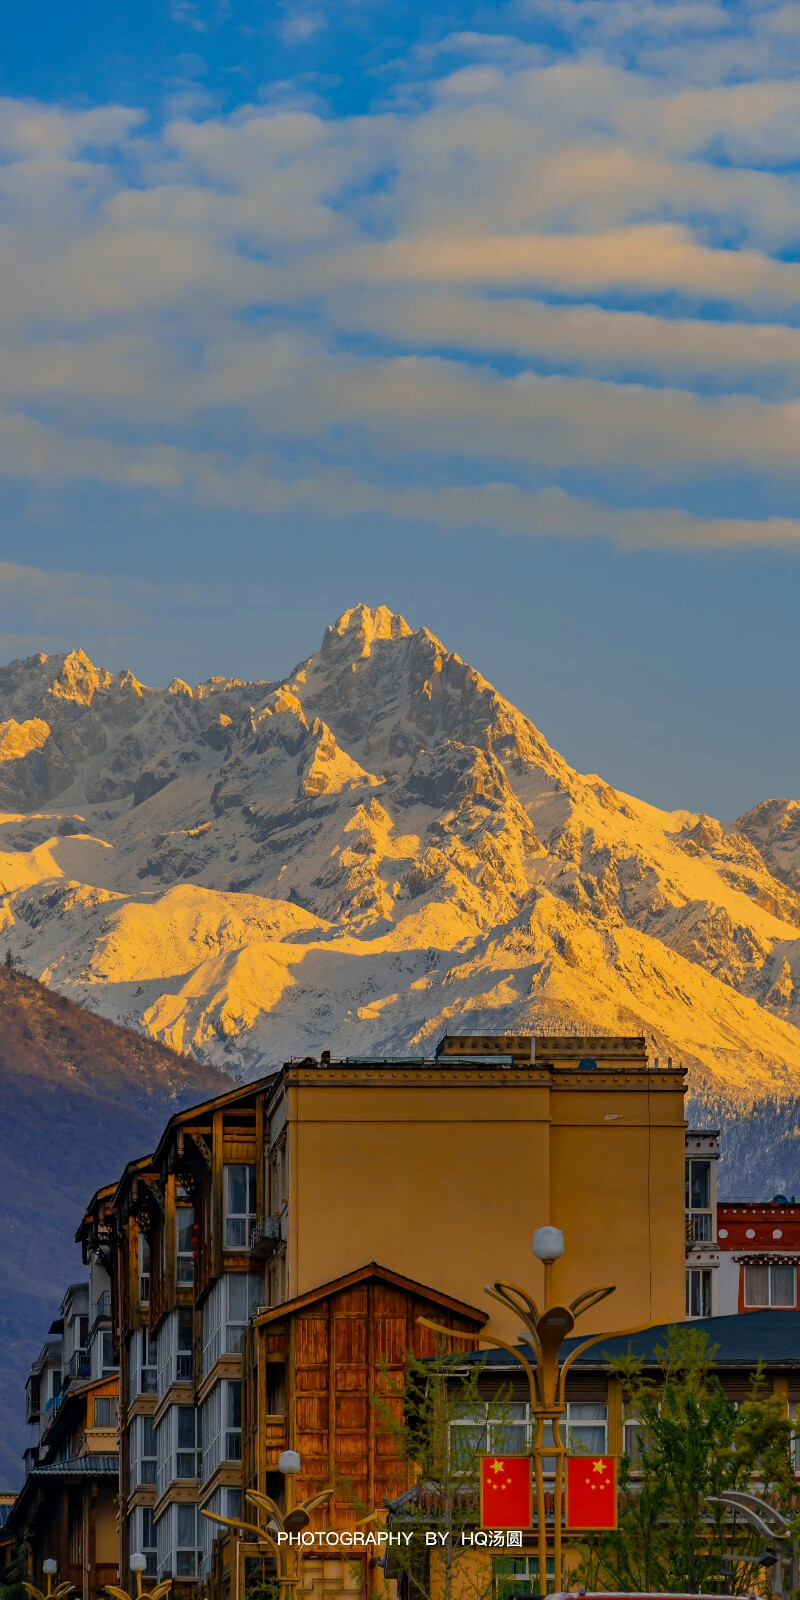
[
  {"x": 186, "y": 1552},
  {"x": 698, "y": 1292},
  {"x": 144, "y": 1270},
  {"x": 142, "y": 1537},
  {"x": 187, "y": 1463},
  {"x": 184, "y": 1227},
  {"x": 240, "y": 1205},
  {"x": 587, "y": 1422},
  {"x": 699, "y": 1185},
  {"x": 148, "y": 1356},
  {"x": 233, "y": 1421},
  {"x": 756, "y": 1285},
  {"x": 109, "y": 1363},
  {"x": 782, "y": 1284},
  {"x": 105, "y": 1412},
  {"x": 185, "y": 1340}
]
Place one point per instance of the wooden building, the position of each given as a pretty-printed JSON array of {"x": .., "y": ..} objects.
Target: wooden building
[{"x": 67, "y": 1507}]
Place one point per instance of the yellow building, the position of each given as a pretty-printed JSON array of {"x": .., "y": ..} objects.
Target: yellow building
[
  {"x": 267, "y": 1252},
  {"x": 442, "y": 1171}
]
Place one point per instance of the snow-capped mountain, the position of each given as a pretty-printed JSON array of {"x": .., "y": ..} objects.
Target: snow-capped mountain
[{"x": 376, "y": 849}]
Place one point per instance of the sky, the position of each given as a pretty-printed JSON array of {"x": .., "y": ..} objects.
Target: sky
[{"x": 485, "y": 313}]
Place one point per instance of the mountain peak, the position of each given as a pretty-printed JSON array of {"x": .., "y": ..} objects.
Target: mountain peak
[{"x": 365, "y": 627}]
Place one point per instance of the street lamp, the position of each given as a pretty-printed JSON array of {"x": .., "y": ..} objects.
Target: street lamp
[
  {"x": 49, "y": 1568},
  {"x": 544, "y": 1331},
  {"x": 293, "y": 1519},
  {"x": 138, "y": 1565}
]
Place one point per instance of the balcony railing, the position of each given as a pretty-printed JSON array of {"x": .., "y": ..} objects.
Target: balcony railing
[
  {"x": 102, "y": 1310},
  {"x": 80, "y": 1366},
  {"x": 265, "y": 1234},
  {"x": 700, "y": 1227}
]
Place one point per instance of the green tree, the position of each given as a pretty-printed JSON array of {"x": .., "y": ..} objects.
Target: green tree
[
  {"x": 692, "y": 1445},
  {"x": 16, "y": 1573},
  {"x": 441, "y": 1424}
]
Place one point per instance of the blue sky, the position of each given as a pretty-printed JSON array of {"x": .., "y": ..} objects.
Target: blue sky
[{"x": 487, "y": 313}]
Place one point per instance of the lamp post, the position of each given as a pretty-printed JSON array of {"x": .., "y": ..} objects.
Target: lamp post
[
  {"x": 293, "y": 1519},
  {"x": 138, "y": 1565},
  {"x": 49, "y": 1568},
  {"x": 544, "y": 1330}
]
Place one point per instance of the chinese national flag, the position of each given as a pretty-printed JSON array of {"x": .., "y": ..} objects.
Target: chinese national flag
[
  {"x": 506, "y": 1498},
  {"x": 591, "y": 1492}
]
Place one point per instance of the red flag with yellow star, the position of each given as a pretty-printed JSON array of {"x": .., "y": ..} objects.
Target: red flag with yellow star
[
  {"x": 506, "y": 1493},
  {"x": 591, "y": 1492}
]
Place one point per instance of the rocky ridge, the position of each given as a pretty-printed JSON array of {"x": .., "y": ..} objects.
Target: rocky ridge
[{"x": 375, "y": 849}]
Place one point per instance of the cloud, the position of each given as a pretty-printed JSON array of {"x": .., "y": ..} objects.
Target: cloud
[
  {"x": 565, "y": 272},
  {"x": 265, "y": 487}
]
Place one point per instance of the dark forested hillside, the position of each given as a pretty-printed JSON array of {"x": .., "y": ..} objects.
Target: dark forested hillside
[{"x": 79, "y": 1096}]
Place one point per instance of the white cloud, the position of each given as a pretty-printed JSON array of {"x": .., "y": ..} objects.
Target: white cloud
[{"x": 593, "y": 222}]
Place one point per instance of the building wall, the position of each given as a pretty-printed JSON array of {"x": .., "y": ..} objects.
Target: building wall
[
  {"x": 443, "y": 1175},
  {"x": 755, "y": 1232}
]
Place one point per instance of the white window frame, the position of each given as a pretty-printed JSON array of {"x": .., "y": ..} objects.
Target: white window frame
[
  {"x": 703, "y": 1274},
  {"x": 512, "y": 1428},
  {"x": 143, "y": 1264},
  {"x": 224, "y": 1321},
  {"x": 140, "y": 1522},
  {"x": 184, "y": 1259},
  {"x": 222, "y": 1440},
  {"x": 177, "y": 1462},
  {"x": 142, "y": 1452},
  {"x": 237, "y": 1223}
]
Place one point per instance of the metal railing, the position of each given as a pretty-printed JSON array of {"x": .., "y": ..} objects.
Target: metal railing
[
  {"x": 102, "y": 1308},
  {"x": 79, "y": 1365},
  {"x": 265, "y": 1234}
]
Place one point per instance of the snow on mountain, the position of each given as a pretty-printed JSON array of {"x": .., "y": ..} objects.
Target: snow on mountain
[{"x": 375, "y": 849}]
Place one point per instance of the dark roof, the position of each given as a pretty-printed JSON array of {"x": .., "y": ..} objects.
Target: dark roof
[
  {"x": 91, "y": 1466},
  {"x": 741, "y": 1341}
]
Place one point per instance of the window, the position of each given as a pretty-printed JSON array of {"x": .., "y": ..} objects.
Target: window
[
  {"x": 222, "y": 1425},
  {"x": 144, "y": 1270},
  {"x": 109, "y": 1364},
  {"x": 184, "y": 1227},
  {"x": 105, "y": 1412},
  {"x": 698, "y": 1185},
  {"x": 179, "y": 1552},
  {"x": 512, "y": 1575},
  {"x": 508, "y": 1429},
  {"x": 278, "y": 1177},
  {"x": 186, "y": 1551},
  {"x": 142, "y": 1537},
  {"x": 634, "y": 1438},
  {"x": 188, "y": 1465},
  {"x": 177, "y": 1446},
  {"x": 175, "y": 1343},
  {"x": 699, "y": 1212},
  {"x": 227, "y": 1310},
  {"x": 586, "y": 1427},
  {"x": 698, "y": 1292},
  {"x": 185, "y": 1343},
  {"x": 240, "y": 1205},
  {"x": 142, "y": 1365},
  {"x": 142, "y": 1451},
  {"x": 225, "y": 1503},
  {"x": 770, "y": 1284}
]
